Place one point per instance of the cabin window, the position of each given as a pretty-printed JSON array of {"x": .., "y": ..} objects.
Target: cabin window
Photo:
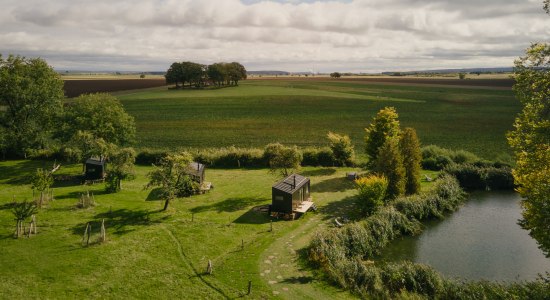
[
  {"x": 279, "y": 198},
  {"x": 91, "y": 170}
]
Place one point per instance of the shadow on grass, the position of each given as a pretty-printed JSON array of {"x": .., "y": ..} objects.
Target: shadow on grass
[
  {"x": 229, "y": 205},
  {"x": 154, "y": 195},
  {"x": 319, "y": 172},
  {"x": 346, "y": 209},
  {"x": 332, "y": 185},
  {"x": 299, "y": 280},
  {"x": 20, "y": 172},
  {"x": 253, "y": 216},
  {"x": 122, "y": 221},
  {"x": 77, "y": 194}
]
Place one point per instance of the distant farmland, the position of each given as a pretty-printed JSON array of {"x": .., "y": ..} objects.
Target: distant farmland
[
  {"x": 301, "y": 112},
  {"x": 73, "y": 88}
]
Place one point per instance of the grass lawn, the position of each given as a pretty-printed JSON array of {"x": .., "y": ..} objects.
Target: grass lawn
[
  {"x": 258, "y": 112},
  {"x": 155, "y": 254}
]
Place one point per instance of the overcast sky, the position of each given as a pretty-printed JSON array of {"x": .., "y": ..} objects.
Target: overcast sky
[{"x": 291, "y": 35}]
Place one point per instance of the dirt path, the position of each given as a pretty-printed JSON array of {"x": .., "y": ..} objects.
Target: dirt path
[{"x": 280, "y": 268}]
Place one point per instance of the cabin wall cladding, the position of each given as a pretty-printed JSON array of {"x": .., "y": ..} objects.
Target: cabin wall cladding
[{"x": 289, "y": 193}]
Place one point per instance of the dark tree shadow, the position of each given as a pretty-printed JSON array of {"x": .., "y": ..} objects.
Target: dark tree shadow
[
  {"x": 346, "y": 208},
  {"x": 77, "y": 194},
  {"x": 20, "y": 172},
  {"x": 122, "y": 221},
  {"x": 154, "y": 195},
  {"x": 319, "y": 172},
  {"x": 254, "y": 216},
  {"x": 332, "y": 185},
  {"x": 66, "y": 180},
  {"x": 229, "y": 205},
  {"x": 6, "y": 206},
  {"x": 299, "y": 280}
]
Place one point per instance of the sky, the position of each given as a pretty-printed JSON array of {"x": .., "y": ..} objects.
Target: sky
[{"x": 291, "y": 35}]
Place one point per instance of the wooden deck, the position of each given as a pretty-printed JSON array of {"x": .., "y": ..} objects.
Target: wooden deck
[{"x": 303, "y": 207}]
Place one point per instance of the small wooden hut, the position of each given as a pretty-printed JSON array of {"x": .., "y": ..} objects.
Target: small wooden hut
[
  {"x": 95, "y": 169},
  {"x": 196, "y": 171},
  {"x": 291, "y": 196}
]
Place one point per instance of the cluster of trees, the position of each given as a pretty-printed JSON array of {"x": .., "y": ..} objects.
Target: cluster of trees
[
  {"x": 199, "y": 75},
  {"x": 335, "y": 75},
  {"x": 394, "y": 158},
  {"x": 37, "y": 118}
]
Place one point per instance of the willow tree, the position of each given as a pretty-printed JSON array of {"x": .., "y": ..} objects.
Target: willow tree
[{"x": 530, "y": 141}]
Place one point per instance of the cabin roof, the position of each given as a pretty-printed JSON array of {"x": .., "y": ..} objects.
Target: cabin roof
[
  {"x": 195, "y": 168},
  {"x": 94, "y": 161},
  {"x": 291, "y": 183}
]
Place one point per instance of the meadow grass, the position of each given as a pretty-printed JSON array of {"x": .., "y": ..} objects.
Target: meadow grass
[
  {"x": 155, "y": 254},
  {"x": 258, "y": 112}
]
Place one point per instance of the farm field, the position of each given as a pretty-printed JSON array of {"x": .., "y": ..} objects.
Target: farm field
[
  {"x": 154, "y": 254},
  {"x": 75, "y": 87},
  {"x": 301, "y": 112}
]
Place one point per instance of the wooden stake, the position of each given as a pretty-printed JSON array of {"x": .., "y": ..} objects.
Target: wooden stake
[
  {"x": 85, "y": 233},
  {"x": 102, "y": 236},
  {"x": 271, "y": 227},
  {"x": 89, "y": 230},
  {"x": 249, "y": 287},
  {"x": 242, "y": 244},
  {"x": 209, "y": 269}
]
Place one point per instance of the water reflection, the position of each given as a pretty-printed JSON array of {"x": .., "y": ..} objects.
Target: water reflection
[{"x": 480, "y": 241}]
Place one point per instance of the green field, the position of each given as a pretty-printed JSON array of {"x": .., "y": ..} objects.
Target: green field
[
  {"x": 154, "y": 254},
  {"x": 301, "y": 112}
]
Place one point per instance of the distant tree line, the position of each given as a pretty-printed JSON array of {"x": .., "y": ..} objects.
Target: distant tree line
[{"x": 199, "y": 75}]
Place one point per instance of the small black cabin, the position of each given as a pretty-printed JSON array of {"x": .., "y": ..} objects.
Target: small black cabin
[
  {"x": 95, "y": 169},
  {"x": 196, "y": 171},
  {"x": 290, "y": 194}
]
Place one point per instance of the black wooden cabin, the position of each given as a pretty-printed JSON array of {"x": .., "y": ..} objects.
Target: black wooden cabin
[
  {"x": 196, "y": 171},
  {"x": 95, "y": 169},
  {"x": 290, "y": 194}
]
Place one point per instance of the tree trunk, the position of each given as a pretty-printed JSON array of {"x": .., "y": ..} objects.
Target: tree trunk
[{"x": 166, "y": 204}]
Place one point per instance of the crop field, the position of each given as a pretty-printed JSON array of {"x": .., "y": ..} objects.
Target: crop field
[
  {"x": 301, "y": 112},
  {"x": 75, "y": 87}
]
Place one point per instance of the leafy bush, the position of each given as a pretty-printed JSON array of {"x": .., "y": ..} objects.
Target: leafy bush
[
  {"x": 342, "y": 149},
  {"x": 232, "y": 157},
  {"x": 318, "y": 157},
  {"x": 371, "y": 193},
  {"x": 481, "y": 177},
  {"x": 148, "y": 157}
]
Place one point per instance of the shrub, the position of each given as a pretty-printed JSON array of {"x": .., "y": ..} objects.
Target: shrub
[
  {"x": 318, "y": 157},
  {"x": 482, "y": 177},
  {"x": 499, "y": 178},
  {"x": 147, "y": 157},
  {"x": 412, "y": 159},
  {"x": 232, "y": 157},
  {"x": 371, "y": 193},
  {"x": 282, "y": 159},
  {"x": 342, "y": 149}
]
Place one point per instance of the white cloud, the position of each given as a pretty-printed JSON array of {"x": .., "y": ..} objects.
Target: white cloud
[{"x": 360, "y": 35}]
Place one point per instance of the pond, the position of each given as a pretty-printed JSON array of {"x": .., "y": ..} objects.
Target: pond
[{"x": 479, "y": 241}]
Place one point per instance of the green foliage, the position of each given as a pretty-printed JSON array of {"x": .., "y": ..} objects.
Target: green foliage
[
  {"x": 530, "y": 141},
  {"x": 481, "y": 177},
  {"x": 318, "y": 157},
  {"x": 335, "y": 75},
  {"x": 436, "y": 158},
  {"x": 462, "y": 75},
  {"x": 342, "y": 149},
  {"x": 232, "y": 157},
  {"x": 121, "y": 166},
  {"x": 383, "y": 127},
  {"x": 32, "y": 94},
  {"x": 412, "y": 160},
  {"x": 170, "y": 175},
  {"x": 41, "y": 180},
  {"x": 371, "y": 193},
  {"x": 23, "y": 210},
  {"x": 197, "y": 75},
  {"x": 342, "y": 252},
  {"x": 389, "y": 163},
  {"x": 96, "y": 118},
  {"x": 282, "y": 159}
]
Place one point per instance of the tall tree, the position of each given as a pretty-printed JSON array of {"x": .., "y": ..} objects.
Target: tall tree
[
  {"x": 342, "y": 149},
  {"x": 412, "y": 160},
  {"x": 389, "y": 163},
  {"x": 236, "y": 72},
  {"x": 384, "y": 126},
  {"x": 530, "y": 141},
  {"x": 95, "y": 123},
  {"x": 32, "y": 93}
]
